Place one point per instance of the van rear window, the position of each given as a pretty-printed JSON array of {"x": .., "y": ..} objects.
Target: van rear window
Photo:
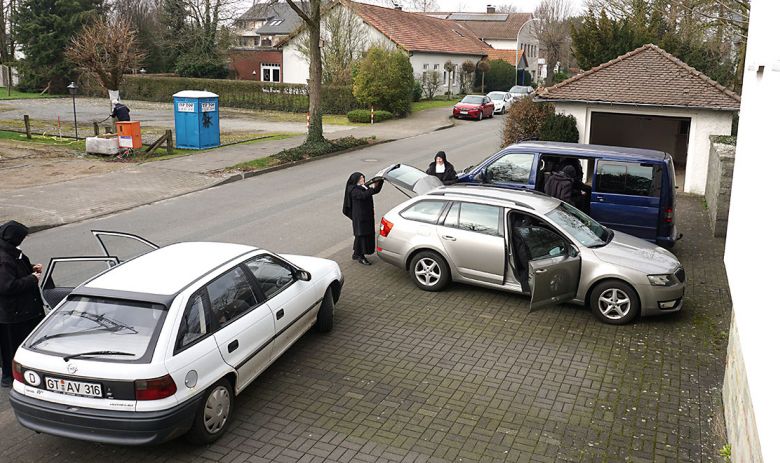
[{"x": 629, "y": 178}]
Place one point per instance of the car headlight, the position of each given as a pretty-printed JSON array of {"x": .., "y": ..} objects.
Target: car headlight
[{"x": 661, "y": 280}]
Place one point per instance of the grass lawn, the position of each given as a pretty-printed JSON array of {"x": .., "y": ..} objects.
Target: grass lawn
[
  {"x": 280, "y": 116},
  {"x": 162, "y": 155},
  {"x": 16, "y": 95},
  {"x": 429, "y": 104},
  {"x": 44, "y": 139}
]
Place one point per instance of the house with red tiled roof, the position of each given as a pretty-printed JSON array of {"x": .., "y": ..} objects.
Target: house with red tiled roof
[
  {"x": 503, "y": 31},
  {"x": 430, "y": 42},
  {"x": 648, "y": 98}
]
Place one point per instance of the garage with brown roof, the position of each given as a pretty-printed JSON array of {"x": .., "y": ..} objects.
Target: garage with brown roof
[{"x": 648, "y": 98}]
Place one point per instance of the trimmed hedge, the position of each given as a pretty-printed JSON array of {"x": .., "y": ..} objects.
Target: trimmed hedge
[
  {"x": 364, "y": 115},
  {"x": 232, "y": 93}
]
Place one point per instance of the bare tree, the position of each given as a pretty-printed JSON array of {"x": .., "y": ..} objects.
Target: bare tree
[
  {"x": 467, "y": 76},
  {"x": 106, "y": 48},
  {"x": 483, "y": 66},
  {"x": 430, "y": 81},
  {"x": 551, "y": 29},
  {"x": 7, "y": 42},
  {"x": 410, "y": 5},
  {"x": 345, "y": 39},
  {"x": 506, "y": 8}
]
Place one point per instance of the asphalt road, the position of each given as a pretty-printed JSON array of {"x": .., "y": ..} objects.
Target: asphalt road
[{"x": 295, "y": 210}]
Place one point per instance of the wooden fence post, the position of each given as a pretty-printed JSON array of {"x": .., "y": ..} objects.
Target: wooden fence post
[
  {"x": 169, "y": 141},
  {"x": 27, "y": 126},
  {"x": 96, "y": 127}
]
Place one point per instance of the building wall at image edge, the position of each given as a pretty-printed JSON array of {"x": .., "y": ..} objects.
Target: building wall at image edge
[
  {"x": 243, "y": 62},
  {"x": 752, "y": 374}
]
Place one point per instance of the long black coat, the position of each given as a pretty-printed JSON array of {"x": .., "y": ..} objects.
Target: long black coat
[
  {"x": 361, "y": 211},
  {"x": 20, "y": 299},
  {"x": 448, "y": 177}
]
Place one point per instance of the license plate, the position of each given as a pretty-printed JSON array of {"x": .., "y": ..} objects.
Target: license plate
[
  {"x": 65, "y": 386},
  {"x": 464, "y": 112}
]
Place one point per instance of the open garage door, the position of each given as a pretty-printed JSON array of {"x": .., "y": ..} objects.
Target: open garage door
[{"x": 667, "y": 134}]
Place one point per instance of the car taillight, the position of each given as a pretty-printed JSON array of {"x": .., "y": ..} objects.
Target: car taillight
[
  {"x": 384, "y": 227},
  {"x": 668, "y": 215},
  {"x": 155, "y": 389},
  {"x": 17, "y": 372}
]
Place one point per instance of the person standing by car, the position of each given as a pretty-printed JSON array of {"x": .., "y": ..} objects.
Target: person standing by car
[
  {"x": 442, "y": 169},
  {"x": 359, "y": 208},
  {"x": 21, "y": 307}
]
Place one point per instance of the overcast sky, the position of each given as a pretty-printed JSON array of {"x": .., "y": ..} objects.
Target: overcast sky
[{"x": 523, "y": 6}]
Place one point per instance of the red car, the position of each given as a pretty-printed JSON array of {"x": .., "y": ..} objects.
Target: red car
[{"x": 473, "y": 106}]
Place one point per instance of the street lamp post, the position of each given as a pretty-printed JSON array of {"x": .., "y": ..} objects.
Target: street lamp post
[{"x": 72, "y": 88}]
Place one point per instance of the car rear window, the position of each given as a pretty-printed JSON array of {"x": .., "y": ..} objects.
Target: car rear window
[
  {"x": 88, "y": 324},
  {"x": 629, "y": 178},
  {"x": 423, "y": 211}
]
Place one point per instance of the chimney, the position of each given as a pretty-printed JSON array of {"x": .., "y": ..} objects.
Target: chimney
[
  {"x": 491, "y": 9},
  {"x": 397, "y": 6}
]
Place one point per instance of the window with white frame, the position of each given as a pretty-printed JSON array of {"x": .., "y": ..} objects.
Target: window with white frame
[{"x": 270, "y": 72}]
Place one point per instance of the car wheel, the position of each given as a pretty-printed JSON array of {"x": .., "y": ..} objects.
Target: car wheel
[
  {"x": 429, "y": 271},
  {"x": 325, "y": 314},
  {"x": 479, "y": 118},
  {"x": 214, "y": 413},
  {"x": 614, "y": 302},
  {"x": 491, "y": 114}
]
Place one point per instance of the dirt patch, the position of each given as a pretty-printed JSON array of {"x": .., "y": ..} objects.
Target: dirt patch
[{"x": 25, "y": 165}]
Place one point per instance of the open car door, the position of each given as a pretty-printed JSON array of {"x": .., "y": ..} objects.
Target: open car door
[
  {"x": 123, "y": 246},
  {"x": 409, "y": 180},
  {"x": 553, "y": 266},
  {"x": 63, "y": 274}
]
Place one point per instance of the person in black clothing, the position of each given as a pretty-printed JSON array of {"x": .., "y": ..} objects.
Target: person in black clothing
[
  {"x": 442, "y": 169},
  {"x": 21, "y": 306},
  {"x": 561, "y": 184},
  {"x": 120, "y": 112},
  {"x": 359, "y": 208}
]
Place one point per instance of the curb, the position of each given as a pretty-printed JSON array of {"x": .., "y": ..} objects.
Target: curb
[{"x": 233, "y": 178}]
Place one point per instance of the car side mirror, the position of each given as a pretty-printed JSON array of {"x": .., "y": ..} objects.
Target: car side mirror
[
  {"x": 302, "y": 275},
  {"x": 572, "y": 251}
]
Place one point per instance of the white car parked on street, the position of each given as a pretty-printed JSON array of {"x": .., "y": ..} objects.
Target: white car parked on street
[
  {"x": 158, "y": 346},
  {"x": 502, "y": 101}
]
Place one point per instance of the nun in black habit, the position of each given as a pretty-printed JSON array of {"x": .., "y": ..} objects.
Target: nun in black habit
[{"x": 359, "y": 208}]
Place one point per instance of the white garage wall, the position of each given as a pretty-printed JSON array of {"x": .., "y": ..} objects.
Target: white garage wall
[
  {"x": 704, "y": 124},
  {"x": 419, "y": 60}
]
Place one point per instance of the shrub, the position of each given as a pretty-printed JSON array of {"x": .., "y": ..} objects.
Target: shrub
[
  {"x": 559, "y": 127},
  {"x": 524, "y": 121},
  {"x": 385, "y": 80},
  {"x": 417, "y": 91},
  {"x": 232, "y": 93},
  {"x": 313, "y": 150},
  {"x": 364, "y": 115},
  {"x": 199, "y": 65},
  {"x": 500, "y": 75}
]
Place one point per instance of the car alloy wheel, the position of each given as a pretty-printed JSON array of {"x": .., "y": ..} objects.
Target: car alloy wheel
[
  {"x": 217, "y": 410},
  {"x": 427, "y": 271},
  {"x": 480, "y": 115},
  {"x": 614, "y": 304}
]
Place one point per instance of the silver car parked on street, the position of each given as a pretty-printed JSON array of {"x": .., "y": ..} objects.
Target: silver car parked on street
[{"x": 524, "y": 242}]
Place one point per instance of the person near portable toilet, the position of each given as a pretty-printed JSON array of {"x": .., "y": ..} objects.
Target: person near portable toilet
[
  {"x": 21, "y": 305},
  {"x": 358, "y": 206},
  {"x": 443, "y": 169}
]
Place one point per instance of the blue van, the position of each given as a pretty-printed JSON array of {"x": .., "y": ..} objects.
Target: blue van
[{"x": 631, "y": 190}]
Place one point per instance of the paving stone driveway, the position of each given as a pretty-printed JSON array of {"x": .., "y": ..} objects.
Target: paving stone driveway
[{"x": 471, "y": 375}]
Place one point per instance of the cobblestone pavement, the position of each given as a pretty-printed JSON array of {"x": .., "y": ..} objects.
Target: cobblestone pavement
[{"x": 470, "y": 375}]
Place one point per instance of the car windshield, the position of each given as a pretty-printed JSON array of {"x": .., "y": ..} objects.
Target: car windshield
[
  {"x": 583, "y": 228},
  {"x": 98, "y": 324},
  {"x": 472, "y": 99},
  {"x": 520, "y": 89},
  {"x": 496, "y": 96}
]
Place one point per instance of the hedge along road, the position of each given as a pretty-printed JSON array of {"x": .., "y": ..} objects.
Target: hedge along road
[
  {"x": 294, "y": 210},
  {"x": 91, "y": 110}
]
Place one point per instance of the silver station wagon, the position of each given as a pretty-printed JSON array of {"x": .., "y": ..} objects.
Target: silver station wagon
[{"x": 524, "y": 242}]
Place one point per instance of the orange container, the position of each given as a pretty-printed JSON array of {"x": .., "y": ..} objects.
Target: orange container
[{"x": 129, "y": 134}]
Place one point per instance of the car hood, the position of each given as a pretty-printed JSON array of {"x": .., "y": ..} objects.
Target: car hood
[
  {"x": 635, "y": 253},
  {"x": 498, "y": 103},
  {"x": 466, "y": 106}
]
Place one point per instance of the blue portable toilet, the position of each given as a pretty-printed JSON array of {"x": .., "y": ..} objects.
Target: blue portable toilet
[{"x": 196, "y": 115}]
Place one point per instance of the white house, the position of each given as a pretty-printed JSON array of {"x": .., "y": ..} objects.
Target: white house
[
  {"x": 430, "y": 42},
  {"x": 647, "y": 98},
  {"x": 750, "y": 387}
]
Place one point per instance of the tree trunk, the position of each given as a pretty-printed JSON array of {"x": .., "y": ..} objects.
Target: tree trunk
[{"x": 315, "y": 77}]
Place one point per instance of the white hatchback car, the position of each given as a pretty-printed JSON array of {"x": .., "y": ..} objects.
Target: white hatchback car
[{"x": 159, "y": 345}]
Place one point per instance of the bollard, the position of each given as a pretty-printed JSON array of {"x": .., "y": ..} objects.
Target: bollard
[
  {"x": 372, "y": 115},
  {"x": 308, "y": 121},
  {"x": 27, "y": 126}
]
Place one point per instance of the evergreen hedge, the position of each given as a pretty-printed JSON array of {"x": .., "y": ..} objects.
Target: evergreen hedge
[
  {"x": 232, "y": 93},
  {"x": 364, "y": 115}
]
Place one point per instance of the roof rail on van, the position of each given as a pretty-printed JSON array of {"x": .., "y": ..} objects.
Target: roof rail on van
[{"x": 461, "y": 193}]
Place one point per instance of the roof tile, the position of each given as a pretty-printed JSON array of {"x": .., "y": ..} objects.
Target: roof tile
[{"x": 646, "y": 76}]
